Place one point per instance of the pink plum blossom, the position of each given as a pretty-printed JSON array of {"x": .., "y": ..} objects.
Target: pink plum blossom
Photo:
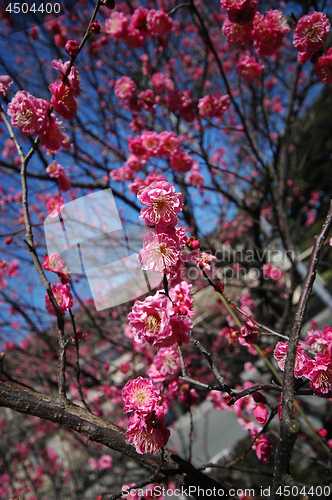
[
  {"x": 52, "y": 137},
  {"x": 240, "y": 11},
  {"x": 147, "y": 433},
  {"x": 261, "y": 414},
  {"x": 181, "y": 162},
  {"x": 311, "y": 32},
  {"x": 161, "y": 251},
  {"x": 301, "y": 359},
  {"x": 63, "y": 298},
  {"x": 159, "y": 23},
  {"x": 319, "y": 372},
  {"x": 268, "y": 32},
  {"x": 163, "y": 204},
  {"x": 116, "y": 24},
  {"x": 264, "y": 447},
  {"x": 165, "y": 363},
  {"x": 63, "y": 100},
  {"x": 323, "y": 67},
  {"x": 140, "y": 395},
  {"x": 56, "y": 264},
  {"x": 5, "y": 83},
  {"x": 248, "y": 68},
  {"x": 237, "y": 34},
  {"x": 27, "y": 113},
  {"x": 124, "y": 87},
  {"x": 73, "y": 79}
]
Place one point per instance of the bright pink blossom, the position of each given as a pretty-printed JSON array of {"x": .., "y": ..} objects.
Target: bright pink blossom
[
  {"x": 73, "y": 79},
  {"x": 151, "y": 320},
  {"x": 63, "y": 298},
  {"x": 218, "y": 400},
  {"x": 311, "y": 32},
  {"x": 52, "y": 137},
  {"x": 268, "y": 32},
  {"x": 169, "y": 143},
  {"x": 104, "y": 462},
  {"x": 148, "y": 434},
  {"x": 163, "y": 204},
  {"x": 240, "y": 11},
  {"x": 301, "y": 359},
  {"x": 124, "y": 87},
  {"x": 323, "y": 67},
  {"x": 151, "y": 143},
  {"x": 27, "y": 113},
  {"x": 237, "y": 34},
  {"x": 63, "y": 100},
  {"x": 264, "y": 447},
  {"x": 54, "y": 204},
  {"x": 181, "y": 162},
  {"x": 319, "y": 372},
  {"x": 180, "y": 295},
  {"x": 248, "y": 68},
  {"x": 159, "y": 23},
  {"x": 5, "y": 83},
  {"x": 213, "y": 106},
  {"x": 272, "y": 272},
  {"x": 140, "y": 395}
]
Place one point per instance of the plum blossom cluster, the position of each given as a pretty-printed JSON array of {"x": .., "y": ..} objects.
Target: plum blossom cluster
[
  {"x": 9, "y": 270},
  {"x": 153, "y": 145},
  {"x": 146, "y": 428},
  {"x": 134, "y": 29},
  {"x": 245, "y": 24},
  {"x": 315, "y": 364},
  {"x": 55, "y": 170},
  {"x": 61, "y": 292}
]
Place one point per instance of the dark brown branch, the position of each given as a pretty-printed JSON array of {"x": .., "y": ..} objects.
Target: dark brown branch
[
  {"x": 288, "y": 427},
  {"x": 96, "y": 429}
]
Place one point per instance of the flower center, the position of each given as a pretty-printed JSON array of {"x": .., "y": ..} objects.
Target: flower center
[{"x": 152, "y": 323}]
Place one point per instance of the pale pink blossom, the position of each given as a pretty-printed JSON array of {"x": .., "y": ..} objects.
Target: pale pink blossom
[
  {"x": 165, "y": 363},
  {"x": 163, "y": 204},
  {"x": 124, "y": 87},
  {"x": 218, "y": 400},
  {"x": 53, "y": 206},
  {"x": 73, "y": 79},
  {"x": 63, "y": 298},
  {"x": 160, "y": 251},
  {"x": 5, "y": 83},
  {"x": 301, "y": 359},
  {"x": 104, "y": 462},
  {"x": 140, "y": 395},
  {"x": 56, "y": 264},
  {"x": 27, "y": 113},
  {"x": 148, "y": 434},
  {"x": 311, "y": 32},
  {"x": 116, "y": 24}
]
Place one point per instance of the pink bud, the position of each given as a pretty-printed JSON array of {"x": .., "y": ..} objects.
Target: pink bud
[
  {"x": 261, "y": 414},
  {"x": 72, "y": 48},
  {"x": 8, "y": 240}
]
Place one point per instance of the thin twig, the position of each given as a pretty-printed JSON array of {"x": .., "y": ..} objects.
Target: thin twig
[{"x": 78, "y": 370}]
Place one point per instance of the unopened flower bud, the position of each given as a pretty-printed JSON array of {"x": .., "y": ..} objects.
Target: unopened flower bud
[
  {"x": 72, "y": 48},
  {"x": 110, "y": 4},
  {"x": 94, "y": 28}
]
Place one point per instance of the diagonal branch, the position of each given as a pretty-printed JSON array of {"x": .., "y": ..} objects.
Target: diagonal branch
[{"x": 289, "y": 427}]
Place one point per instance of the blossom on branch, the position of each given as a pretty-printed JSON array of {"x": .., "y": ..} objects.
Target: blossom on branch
[
  {"x": 311, "y": 32},
  {"x": 63, "y": 298},
  {"x": 163, "y": 204},
  {"x": 28, "y": 114},
  {"x": 140, "y": 395}
]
